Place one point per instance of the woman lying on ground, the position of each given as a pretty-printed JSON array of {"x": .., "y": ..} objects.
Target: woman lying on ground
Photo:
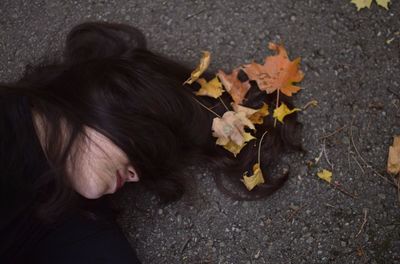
[{"x": 77, "y": 129}]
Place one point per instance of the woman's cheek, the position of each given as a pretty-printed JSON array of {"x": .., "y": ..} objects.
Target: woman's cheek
[{"x": 90, "y": 185}]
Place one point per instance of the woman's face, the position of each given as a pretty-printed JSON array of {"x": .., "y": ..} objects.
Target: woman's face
[
  {"x": 99, "y": 167},
  {"x": 96, "y": 166}
]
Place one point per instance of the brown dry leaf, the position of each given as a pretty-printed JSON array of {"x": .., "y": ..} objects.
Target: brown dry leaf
[
  {"x": 212, "y": 88},
  {"x": 256, "y": 179},
  {"x": 203, "y": 65},
  {"x": 277, "y": 72},
  {"x": 393, "y": 165},
  {"x": 229, "y": 129},
  {"x": 256, "y": 116},
  {"x": 233, "y": 85}
]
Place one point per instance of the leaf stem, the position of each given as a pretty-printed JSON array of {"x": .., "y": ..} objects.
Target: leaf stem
[
  {"x": 222, "y": 101},
  {"x": 277, "y": 103},
  {"x": 259, "y": 148},
  {"x": 200, "y": 103}
]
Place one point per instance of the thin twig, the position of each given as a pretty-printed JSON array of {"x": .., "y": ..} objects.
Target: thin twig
[
  {"x": 326, "y": 155},
  {"x": 364, "y": 222},
  {"x": 362, "y": 159},
  {"x": 184, "y": 245},
  {"x": 319, "y": 157},
  {"x": 295, "y": 212},
  {"x": 333, "y": 133},
  {"x": 358, "y": 163},
  {"x": 330, "y": 205},
  {"x": 195, "y": 14},
  {"x": 393, "y": 92},
  {"x": 200, "y": 103},
  {"x": 336, "y": 186}
]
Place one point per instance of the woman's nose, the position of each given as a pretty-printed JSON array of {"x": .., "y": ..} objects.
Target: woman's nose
[{"x": 132, "y": 175}]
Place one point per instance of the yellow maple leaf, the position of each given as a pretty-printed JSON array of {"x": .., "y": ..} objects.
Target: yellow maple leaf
[
  {"x": 325, "y": 175},
  {"x": 212, "y": 88},
  {"x": 393, "y": 164},
  {"x": 362, "y": 4},
  {"x": 229, "y": 129},
  {"x": 256, "y": 179},
  {"x": 367, "y": 3},
  {"x": 282, "y": 111},
  {"x": 234, "y": 148},
  {"x": 256, "y": 116},
  {"x": 203, "y": 65},
  {"x": 383, "y": 3}
]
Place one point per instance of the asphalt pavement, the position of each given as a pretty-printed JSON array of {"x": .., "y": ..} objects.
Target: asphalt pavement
[{"x": 351, "y": 62}]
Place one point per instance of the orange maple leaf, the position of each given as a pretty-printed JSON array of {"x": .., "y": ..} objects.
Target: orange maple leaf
[
  {"x": 277, "y": 73},
  {"x": 233, "y": 85}
]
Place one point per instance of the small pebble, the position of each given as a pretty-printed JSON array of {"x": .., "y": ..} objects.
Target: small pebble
[
  {"x": 382, "y": 196},
  {"x": 310, "y": 240}
]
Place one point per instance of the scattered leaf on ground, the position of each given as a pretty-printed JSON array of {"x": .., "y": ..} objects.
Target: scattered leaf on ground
[
  {"x": 282, "y": 111},
  {"x": 212, "y": 88},
  {"x": 255, "y": 179},
  {"x": 229, "y": 129},
  {"x": 393, "y": 165},
  {"x": 367, "y": 3},
  {"x": 256, "y": 116},
  {"x": 383, "y": 3},
  {"x": 235, "y": 148},
  {"x": 362, "y": 4},
  {"x": 234, "y": 86},
  {"x": 203, "y": 65},
  {"x": 325, "y": 175},
  {"x": 313, "y": 103},
  {"x": 277, "y": 72}
]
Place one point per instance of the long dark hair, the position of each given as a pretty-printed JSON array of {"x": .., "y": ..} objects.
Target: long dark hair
[{"x": 109, "y": 81}]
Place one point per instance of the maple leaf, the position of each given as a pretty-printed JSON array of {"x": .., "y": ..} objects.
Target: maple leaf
[
  {"x": 233, "y": 85},
  {"x": 282, "y": 111},
  {"x": 325, "y": 175},
  {"x": 393, "y": 164},
  {"x": 229, "y": 129},
  {"x": 367, "y": 3},
  {"x": 383, "y": 3},
  {"x": 256, "y": 116},
  {"x": 235, "y": 148},
  {"x": 362, "y": 4},
  {"x": 256, "y": 179},
  {"x": 203, "y": 65},
  {"x": 277, "y": 72},
  {"x": 212, "y": 88}
]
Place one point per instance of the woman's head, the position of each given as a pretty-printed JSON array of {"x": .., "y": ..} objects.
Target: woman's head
[
  {"x": 113, "y": 113},
  {"x": 111, "y": 106}
]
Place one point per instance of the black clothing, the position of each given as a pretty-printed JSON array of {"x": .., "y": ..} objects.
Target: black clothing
[{"x": 24, "y": 238}]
